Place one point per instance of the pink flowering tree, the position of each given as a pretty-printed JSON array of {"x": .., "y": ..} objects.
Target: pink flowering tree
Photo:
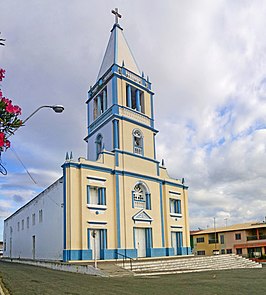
[{"x": 9, "y": 121}]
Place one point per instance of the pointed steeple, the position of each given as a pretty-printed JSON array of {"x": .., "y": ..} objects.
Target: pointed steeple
[{"x": 118, "y": 51}]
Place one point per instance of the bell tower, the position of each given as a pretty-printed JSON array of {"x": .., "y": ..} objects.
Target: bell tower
[{"x": 120, "y": 105}]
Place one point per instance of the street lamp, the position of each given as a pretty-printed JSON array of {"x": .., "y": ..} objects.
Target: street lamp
[{"x": 56, "y": 108}]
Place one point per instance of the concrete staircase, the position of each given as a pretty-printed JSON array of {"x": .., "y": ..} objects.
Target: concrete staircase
[
  {"x": 189, "y": 264},
  {"x": 111, "y": 269}
]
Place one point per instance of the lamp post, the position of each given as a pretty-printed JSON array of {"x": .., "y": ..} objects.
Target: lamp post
[{"x": 56, "y": 108}]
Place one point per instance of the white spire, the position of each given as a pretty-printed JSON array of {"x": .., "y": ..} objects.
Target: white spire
[{"x": 118, "y": 51}]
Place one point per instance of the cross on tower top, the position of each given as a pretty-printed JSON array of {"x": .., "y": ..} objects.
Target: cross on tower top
[{"x": 117, "y": 15}]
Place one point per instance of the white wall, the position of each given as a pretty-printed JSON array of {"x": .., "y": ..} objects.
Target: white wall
[{"x": 48, "y": 233}]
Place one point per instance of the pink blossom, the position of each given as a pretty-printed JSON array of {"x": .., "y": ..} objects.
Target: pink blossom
[
  {"x": 17, "y": 110},
  {"x": 2, "y": 74},
  {"x": 2, "y": 139},
  {"x": 6, "y": 100},
  {"x": 10, "y": 108},
  {"x": 7, "y": 144}
]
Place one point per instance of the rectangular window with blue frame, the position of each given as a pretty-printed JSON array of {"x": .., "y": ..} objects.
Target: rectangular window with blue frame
[
  {"x": 96, "y": 195},
  {"x": 175, "y": 206}
]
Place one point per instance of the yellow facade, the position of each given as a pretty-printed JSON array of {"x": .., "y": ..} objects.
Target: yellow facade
[
  {"x": 247, "y": 239},
  {"x": 120, "y": 201}
]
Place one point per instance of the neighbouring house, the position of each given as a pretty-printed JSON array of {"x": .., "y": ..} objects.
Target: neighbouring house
[
  {"x": 247, "y": 239},
  {"x": 119, "y": 201}
]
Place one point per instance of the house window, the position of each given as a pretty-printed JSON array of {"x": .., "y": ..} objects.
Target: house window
[
  {"x": 137, "y": 142},
  {"x": 28, "y": 222},
  {"x": 222, "y": 239},
  {"x": 141, "y": 198},
  {"x": 223, "y": 251},
  {"x": 202, "y": 252},
  {"x": 175, "y": 206},
  {"x": 200, "y": 240},
  {"x": 33, "y": 219},
  {"x": 239, "y": 251},
  {"x": 22, "y": 224},
  {"x": 238, "y": 236},
  {"x": 135, "y": 99},
  {"x": 100, "y": 104},
  {"x": 96, "y": 195},
  {"x": 18, "y": 226},
  {"x": 228, "y": 251},
  {"x": 99, "y": 145},
  {"x": 40, "y": 216}
]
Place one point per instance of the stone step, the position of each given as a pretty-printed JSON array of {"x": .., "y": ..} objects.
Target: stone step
[
  {"x": 114, "y": 270},
  {"x": 191, "y": 264}
]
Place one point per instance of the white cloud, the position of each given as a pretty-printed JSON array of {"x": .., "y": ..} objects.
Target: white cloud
[{"x": 206, "y": 60}]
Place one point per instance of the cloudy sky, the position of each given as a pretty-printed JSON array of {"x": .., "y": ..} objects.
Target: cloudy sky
[{"x": 207, "y": 63}]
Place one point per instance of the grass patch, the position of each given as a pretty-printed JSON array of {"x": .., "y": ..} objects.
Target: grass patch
[{"x": 22, "y": 279}]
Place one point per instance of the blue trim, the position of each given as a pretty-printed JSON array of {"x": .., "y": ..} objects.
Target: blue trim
[
  {"x": 129, "y": 102},
  {"x": 154, "y": 147},
  {"x": 157, "y": 252},
  {"x": 148, "y": 201},
  {"x": 115, "y": 134},
  {"x": 88, "y": 194},
  {"x": 138, "y": 156},
  {"x": 116, "y": 44},
  {"x": 132, "y": 81},
  {"x": 116, "y": 158},
  {"x": 103, "y": 196},
  {"x": 69, "y": 255},
  {"x": 97, "y": 222},
  {"x": 148, "y": 237},
  {"x": 179, "y": 206},
  {"x": 86, "y": 166},
  {"x": 64, "y": 202},
  {"x": 117, "y": 211},
  {"x": 104, "y": 99},
  {"x": 120, "y": 172},
  {"x": 114, "y": 90},
  {"x": 133, "y": 203},
  {"x": 88, "y": 115},
  {"x": 162, "y": 216},
  {"x": 152, "y": 110},
  {"x": 111, "y": 113},
  {"x": 77, "y": 255},
  {"x": 88, "y": 238},
  {"x": 138, "y": 100}
]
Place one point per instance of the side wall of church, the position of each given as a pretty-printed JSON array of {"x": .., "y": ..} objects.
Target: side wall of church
[{"x": 35, "y": 230}]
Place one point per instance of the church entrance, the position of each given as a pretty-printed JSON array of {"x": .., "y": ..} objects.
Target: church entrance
[
  {"x": 140, "y": 241},
  {"x": 96, "y": 244},
  {"x": 177, "y": 242}
]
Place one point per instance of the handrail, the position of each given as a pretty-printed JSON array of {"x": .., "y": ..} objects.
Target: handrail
[{"x": 124, "y": 258}]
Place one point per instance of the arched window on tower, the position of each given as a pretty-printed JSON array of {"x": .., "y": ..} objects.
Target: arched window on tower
[
  {"x": 137, "y": 142},
  {"x": 99, "y": 145},
  {"x": 141, "y": 197}
]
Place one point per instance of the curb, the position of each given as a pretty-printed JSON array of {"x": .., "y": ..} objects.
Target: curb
[{"x": 3, "y": 290}]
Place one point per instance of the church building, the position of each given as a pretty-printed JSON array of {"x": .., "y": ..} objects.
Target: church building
[{"x": 119, "y": 201}]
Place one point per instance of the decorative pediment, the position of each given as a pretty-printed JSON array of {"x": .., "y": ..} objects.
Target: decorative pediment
[{"x": 142, "y": 216}]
